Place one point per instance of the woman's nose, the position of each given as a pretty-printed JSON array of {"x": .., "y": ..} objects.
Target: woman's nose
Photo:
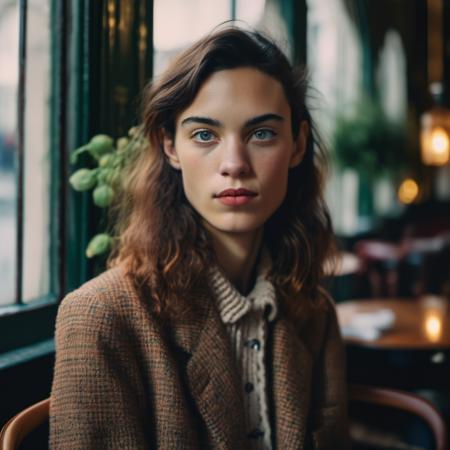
[{"x": 234, "y": 162}]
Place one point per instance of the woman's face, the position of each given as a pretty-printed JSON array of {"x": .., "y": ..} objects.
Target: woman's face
[{"x": 234, "y": 147}]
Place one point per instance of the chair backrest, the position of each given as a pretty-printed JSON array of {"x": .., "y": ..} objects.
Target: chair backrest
[
  {"x": 403, "y": 401},
  {"x": 23, "y": 423}
]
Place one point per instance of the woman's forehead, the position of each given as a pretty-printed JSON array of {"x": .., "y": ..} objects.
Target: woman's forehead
[{"x": 244, "y": 91}]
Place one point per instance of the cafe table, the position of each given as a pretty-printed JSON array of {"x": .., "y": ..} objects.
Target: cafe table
[{"x": 397, "y": 341}]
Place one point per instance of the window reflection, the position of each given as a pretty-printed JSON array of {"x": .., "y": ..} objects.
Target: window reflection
[
  {"x": 9, "y": 63},
  {"x": 37, "y": 161},
  {"x": 178, "y": 23},
  {"x": 337, "y": 77}
]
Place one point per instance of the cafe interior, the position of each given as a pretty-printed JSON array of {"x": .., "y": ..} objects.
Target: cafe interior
[
  {"x": 392, "y": 284},
  {"x": 380, "y": 95}
]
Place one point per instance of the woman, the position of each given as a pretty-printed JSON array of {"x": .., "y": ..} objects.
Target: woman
[{"x": 210, "y": 329}]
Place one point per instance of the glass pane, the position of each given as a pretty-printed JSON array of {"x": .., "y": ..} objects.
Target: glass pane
[
  {"x": 37, "y": 159},
  {"x": 336, "y": 76},
  {"x": 250, "y": 11},
  {"x": 266, "y": 17},
  {"x": 178, "y": 23},
  {"x": 9, "y": 76}
]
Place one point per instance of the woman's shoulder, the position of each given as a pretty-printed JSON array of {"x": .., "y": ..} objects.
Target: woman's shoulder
[
  {"x": 317, "y": 321},
  {"x": 318, "y": 311},
  {"x": 112, "y": 280},
  {"x": 105, "y": 298},
  {"x": 108, "y": 286}
]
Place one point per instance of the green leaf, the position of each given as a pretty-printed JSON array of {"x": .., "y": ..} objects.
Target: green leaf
[
  {"x": 122, "y": 143},
  {"x": 98, "y": 245},
  {"x": 74, "y": 155},
  {"x": 83, "y": 179},
  {"x": 103, "y": 195},
  {"x": 104, "y": 175},
  {"x": 105, "y": 160},
  {"x": 100, "y": 145}
]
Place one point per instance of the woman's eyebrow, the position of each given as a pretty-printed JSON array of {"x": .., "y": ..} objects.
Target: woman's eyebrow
[
  {"x": 216, "y": 123},
  {"x": 204, "y": 120},
  {"x": 263, "y": 118}
]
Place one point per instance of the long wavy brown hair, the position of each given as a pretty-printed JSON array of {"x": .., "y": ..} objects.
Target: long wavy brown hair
[{"x": 162, "y": 243}]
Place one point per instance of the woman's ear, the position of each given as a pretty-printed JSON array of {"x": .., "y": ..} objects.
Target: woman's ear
[
  {"x": 300, "y": 145},
  {"x": 170, "y": 150}
]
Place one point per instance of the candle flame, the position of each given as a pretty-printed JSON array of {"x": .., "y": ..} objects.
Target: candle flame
[{"x": 433, "y": 327}]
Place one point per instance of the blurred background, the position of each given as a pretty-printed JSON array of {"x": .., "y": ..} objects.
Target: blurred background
[{"x": 380, "y": 95}]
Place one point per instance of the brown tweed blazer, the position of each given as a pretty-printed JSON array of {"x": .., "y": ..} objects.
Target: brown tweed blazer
[{"x": 123, "y": 380}]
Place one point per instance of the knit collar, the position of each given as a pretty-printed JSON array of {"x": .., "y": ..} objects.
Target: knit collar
[{"x": 233, "y": 305}]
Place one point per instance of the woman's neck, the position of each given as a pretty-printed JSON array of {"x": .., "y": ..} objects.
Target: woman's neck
[{"x": 237, "y": 255}]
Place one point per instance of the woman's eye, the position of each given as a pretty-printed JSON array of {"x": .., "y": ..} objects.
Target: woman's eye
[
  {"x": 203, "y": 136},
  {"x": 264, "y": 135}
]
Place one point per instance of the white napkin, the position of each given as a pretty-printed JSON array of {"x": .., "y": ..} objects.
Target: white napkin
[{"x": 369, "y": 326}]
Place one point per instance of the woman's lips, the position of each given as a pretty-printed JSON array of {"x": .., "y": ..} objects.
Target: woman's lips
[{"x": 235, "y": 197}]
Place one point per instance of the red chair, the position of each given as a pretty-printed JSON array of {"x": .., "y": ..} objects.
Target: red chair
[{"x": 391, "y": 400}]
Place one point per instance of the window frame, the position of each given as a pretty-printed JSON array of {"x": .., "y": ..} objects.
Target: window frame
[
  {"x": 80, "y": 100},
  {"x": 24, "y": 324}
]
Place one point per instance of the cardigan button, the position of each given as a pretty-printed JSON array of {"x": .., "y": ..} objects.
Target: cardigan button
[
  {"x": 249, "y": 387},
  {"x": 255, "y": 434},
  {"x": 254, "y": 344}
]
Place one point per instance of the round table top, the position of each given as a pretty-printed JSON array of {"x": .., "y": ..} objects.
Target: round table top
[{"x": 403, "y": 323}]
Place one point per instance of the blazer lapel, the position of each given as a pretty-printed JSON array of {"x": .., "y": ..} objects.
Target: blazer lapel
[
  {"x": 211, "y": 375},
  {"x": 291, "y": 375}
]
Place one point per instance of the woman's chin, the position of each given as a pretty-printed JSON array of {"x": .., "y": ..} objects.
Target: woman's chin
[
  {"x": 237, "y": 227},
  {"x": 234, "y": 229}
]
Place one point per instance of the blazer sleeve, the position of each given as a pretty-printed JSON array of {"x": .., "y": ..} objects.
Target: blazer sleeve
[
  {"x": 330, "y": 418},
  {"x": 97, "y": 397}
]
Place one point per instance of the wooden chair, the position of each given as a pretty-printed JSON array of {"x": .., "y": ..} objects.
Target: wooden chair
[
  {"x": 392, "y": 399},
  {"x": 14, "y": 432},
  {"x": 23, "y": 423}
]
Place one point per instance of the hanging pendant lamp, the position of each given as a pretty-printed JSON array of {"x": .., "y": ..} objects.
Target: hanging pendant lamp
[
  {"x": 435, "y": 123},
  {"x": 435, "y": 131}
]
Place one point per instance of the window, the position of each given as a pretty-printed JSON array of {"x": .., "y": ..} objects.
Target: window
[
  {"x": 335, "y": 75},
  {"x": 29, "y": 179},
  {"x": 26, "y": 173},
  {"x": 37, "y": 160},
  {"x": 9, "y": 61},
  {"x": 179, "y": 23}
]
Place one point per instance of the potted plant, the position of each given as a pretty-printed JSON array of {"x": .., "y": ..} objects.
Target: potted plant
[{"x": 371, "y": 144}]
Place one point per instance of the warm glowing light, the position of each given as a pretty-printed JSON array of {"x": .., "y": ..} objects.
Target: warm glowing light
[
  {"x": 143, "y": 37},
  {"x": 433, "y": 326},
  {"x": 434, "y": 313},
  {"x": 435, "y": 137},
  {"x": 439, "y": 141},
  {"x": 408, "y": 191}
]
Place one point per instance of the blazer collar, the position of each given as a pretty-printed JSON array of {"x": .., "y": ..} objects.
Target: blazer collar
[
  {"x": 213, "y": 382},
  {"x": 212, "y": 374}
]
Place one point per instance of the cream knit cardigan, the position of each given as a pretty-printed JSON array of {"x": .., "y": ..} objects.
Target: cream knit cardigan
[{"x": 245, "y": 319}]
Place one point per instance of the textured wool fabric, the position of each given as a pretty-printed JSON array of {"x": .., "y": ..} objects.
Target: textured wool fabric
[
  {"x": 245, "y": 319},
  {"x": 124, "y": 380}
]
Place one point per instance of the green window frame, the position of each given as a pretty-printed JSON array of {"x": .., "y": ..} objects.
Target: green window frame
[{"x": 97, "y": 72}]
